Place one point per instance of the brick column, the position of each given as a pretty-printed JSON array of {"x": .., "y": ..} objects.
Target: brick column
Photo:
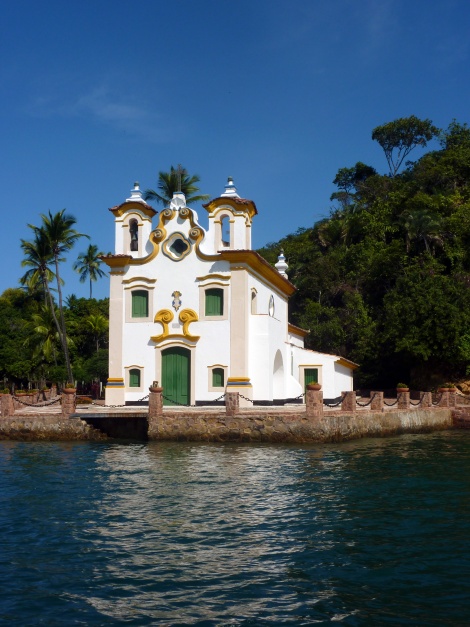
[
  {"x": 403, "y": 400},
  {"x": 68, "y": 401},
  {"x": 453, "y": 397},
  {"x": 444, "y": 401},
  {"x": 314, "y": 401},
  {"x": 349, "y": 401},
  {"x": 232, "y": 403},
  {"x": 8, "y": 407},
  {"x": 377, "y": 402},
  {"x": 427, "y": 400},
  {"x": 155, "y": 402}
]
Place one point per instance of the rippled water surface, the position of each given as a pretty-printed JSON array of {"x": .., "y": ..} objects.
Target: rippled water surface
[{"x": 374, "y": 532}]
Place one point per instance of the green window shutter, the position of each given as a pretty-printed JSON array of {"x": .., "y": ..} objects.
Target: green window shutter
[
  {"x": 134, "y": 378},
  {"x": 140, "y": 304},
  {"x": 218, "y": 378},
  {"x": 214, "y": 302}
]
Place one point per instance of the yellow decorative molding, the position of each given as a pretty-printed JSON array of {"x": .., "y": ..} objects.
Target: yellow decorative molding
[
  {"x": 159, "y": 234},
  {"x": 115, "y": 379},
  {"x": 186, "y": 317},
  {"x": 255, "y": 262},
  {"x": 116, "y": 261},
  {"x": 238, "y": 205},
  {"x": 342, "y": 361},
  {"x": 139, "y": 278},
  {"x": 164, "y": 317},
  {"x": 126, "y": 207},
  {"x": 210, "y": 277},
  {"x": 297, "y": 330}
]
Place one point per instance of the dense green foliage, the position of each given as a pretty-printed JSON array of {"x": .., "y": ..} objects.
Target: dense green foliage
[
  {"x": 30, "y": 348},
  {"x": 384, "y": 281}
]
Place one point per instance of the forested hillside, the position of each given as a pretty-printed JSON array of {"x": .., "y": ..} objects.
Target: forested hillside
[{"x": 384, "y": 281}]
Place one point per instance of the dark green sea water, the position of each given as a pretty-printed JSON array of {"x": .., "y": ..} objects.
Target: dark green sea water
[{"x": 374, "y": 532}]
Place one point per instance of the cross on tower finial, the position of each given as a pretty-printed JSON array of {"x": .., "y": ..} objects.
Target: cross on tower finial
[{"x": 179, "y": 172}]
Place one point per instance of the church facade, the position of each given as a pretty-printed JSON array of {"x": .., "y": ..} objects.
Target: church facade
[{"x": 201, "y": 312}]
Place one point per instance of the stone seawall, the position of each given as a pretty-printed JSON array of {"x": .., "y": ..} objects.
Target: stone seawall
[
  {"x": 244, "y": 427},
  {"x": 42, "y": 427},
  {"x": 275, "y": 427}
]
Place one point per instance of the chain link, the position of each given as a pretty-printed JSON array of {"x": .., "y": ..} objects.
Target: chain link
[
  {"x": 245, "y": 398},
  {"x": 176, "y": 402},
  {"x": 334, "y": 404},
  {"x": 391, "y": 404},
  {"x": 42, "y": 404},
  {"x": 365, "y": 404},
  {"x": 418, "y": 403}
]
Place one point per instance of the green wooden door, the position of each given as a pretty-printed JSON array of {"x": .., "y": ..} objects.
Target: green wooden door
[
  {"x": 310, "y": 376},
  {"x": 176, "y": 367}
]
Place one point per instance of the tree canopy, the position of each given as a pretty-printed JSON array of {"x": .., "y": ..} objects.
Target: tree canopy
[{"x": 385, "y": 280}]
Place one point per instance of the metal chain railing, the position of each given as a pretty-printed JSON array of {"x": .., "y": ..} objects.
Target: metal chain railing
[
  {"x": 419, "y": 402},
  {"x": 140, "y": 400},
  {"x": 335, "y": 404},
  {"x": 245, "y": 398},
  {"x": 41, "y": 404},
  {"x": 176, "y": 402},
  {"x": 368, "y": 402},
  {"x": 438, "y": 399},
  {"x": 391, "y": 404}
]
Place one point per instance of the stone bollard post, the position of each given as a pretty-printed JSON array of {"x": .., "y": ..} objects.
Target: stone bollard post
[
  {"x": 314, "y": 401},
  {"x": 426, "y": 400},
  {"x": 349, "y": 401},
  {"x": 444, "y": 401},
  {"x": 68, "y": 401},
  {"x": 232, "y": 403},
  {"x": 453, "y": 397},
  {"x": 155, "y": 402},
  {"x": 403, "y": 400},
  {"x": 8, "y": 406},
  {"x": 377, "y": 402}
]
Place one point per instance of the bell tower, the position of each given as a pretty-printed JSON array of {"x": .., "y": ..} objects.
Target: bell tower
[
  {"x": 230, "y": 220},
  {"x": 133, "y": 224}
]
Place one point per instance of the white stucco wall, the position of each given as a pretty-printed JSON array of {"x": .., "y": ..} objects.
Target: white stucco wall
[{"x": 274, "y": 360}]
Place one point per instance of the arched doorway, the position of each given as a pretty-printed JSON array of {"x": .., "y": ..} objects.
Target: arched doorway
[
  {"x": 278, "y": 377},
  {"x": 176, "y": 375}
]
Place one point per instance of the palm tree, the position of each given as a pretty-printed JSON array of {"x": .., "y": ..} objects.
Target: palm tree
[
  {"x": 57, "y": 232},
  {"x": 173, "y": 181},
  {"x": 423, "y": 225},
  {"x": 98, "y": 325},
  {"x": 88, "y": 265},
  {"x": 38, "y": 258},
  {"x": 43, "y": 335}
]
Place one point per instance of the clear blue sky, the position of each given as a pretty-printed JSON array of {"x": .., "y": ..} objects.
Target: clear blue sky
[{"x": 278, "y": 94}]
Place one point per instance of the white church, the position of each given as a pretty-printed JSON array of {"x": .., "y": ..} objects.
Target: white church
[{"x": 201, "y": 312}]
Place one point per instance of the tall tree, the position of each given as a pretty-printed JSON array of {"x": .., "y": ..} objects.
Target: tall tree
[
  {"x": 400, "y": 137},
  {"x": 37, "y": 258},
  {"x": 88, "y": 265},
  {"x": 58, "y": 233},
  {"x": 98, "y": 325},
  {"x": 176, "y": 180}
]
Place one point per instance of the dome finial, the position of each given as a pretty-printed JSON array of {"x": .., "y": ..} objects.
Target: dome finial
[
  {"x": 230, "y": 189},
  {"x": 281, "y": 265}
]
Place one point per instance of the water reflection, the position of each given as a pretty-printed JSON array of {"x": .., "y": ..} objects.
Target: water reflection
[{"x": 362, "y": 533}]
